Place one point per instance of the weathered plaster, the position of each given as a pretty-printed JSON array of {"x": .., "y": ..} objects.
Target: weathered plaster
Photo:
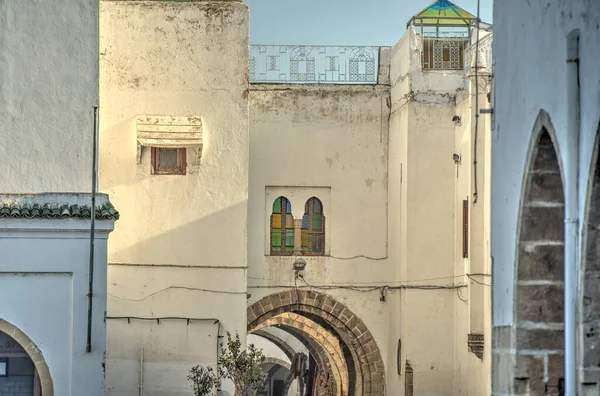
[{"x": 178, "y": 59}]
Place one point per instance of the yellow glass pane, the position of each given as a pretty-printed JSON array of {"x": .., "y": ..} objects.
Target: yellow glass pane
[{"x": 276, "y": 220}]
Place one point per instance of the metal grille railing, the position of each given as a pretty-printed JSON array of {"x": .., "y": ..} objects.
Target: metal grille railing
[
  {"x": 443, "y": 51},
  {"x": 313, "y": 64}
]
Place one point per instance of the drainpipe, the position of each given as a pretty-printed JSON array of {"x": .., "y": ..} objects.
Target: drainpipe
[
  {"x": 141, "y": 390},
  {"x": 88, "y": 347},
  {"x": 571, "y": 212}
]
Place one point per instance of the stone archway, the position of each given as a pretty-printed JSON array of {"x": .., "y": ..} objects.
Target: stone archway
[
  {"x": 590, "y": 275},
  {"x": 318, "y": 352},
  {"x": 279, "y": 343},
  {"x": 34, "y": 354},
  {"x": 320, "y": 345},
  {"x": 539, "y": 271},
  {"x": 336, "y": 318},
  {"x": 279, "y": 362}
]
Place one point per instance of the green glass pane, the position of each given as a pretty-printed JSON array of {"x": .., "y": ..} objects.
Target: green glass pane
[
  {"x": 317, "y": 221},
  {"x": 275, "y": 237},
  {"x": 277, "y": 206},
  {"x": 289, "y": 238}
]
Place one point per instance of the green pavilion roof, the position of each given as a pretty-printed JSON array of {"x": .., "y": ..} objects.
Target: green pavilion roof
[{"x": 443, "y": 13}]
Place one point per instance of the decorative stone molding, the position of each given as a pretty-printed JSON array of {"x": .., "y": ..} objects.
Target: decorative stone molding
[
  {"x": 169, "y": 132},
  {"x": 476, "y": 343},
  {"x": 352, "y": 332}
]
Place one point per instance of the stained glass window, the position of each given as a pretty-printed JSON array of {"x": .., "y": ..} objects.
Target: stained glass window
[
  {"x": 282, "y": 228},
  {"x": 313, "y": 228}
]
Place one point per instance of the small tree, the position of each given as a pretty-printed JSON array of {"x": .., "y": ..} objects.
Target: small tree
[
  {"x": 242, "y": 367},
  {"x": 203, "y": 380}
]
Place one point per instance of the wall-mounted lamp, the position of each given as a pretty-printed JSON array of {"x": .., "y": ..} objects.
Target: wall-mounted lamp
[
  {"x": 299, "y": 265},
  {"x": 456, "y": 120}
]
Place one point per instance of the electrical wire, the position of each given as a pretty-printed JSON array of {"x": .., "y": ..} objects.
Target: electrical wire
[
  {"x": 375, "y": 283},
  {"x": 459, "y": 297},
  {"x": 359, "y": 256},
  {"x": 479, "y": 282},
  {"x": 177, "y": 287},
  {"x": 362, "y": 289}
]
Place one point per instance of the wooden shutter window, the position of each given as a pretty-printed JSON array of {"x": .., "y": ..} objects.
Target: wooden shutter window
[
  {"x": 168, "y": 161},
  {"x": 465, "y": 229}
]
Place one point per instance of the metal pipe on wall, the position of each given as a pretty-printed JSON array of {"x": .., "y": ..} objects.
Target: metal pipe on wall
[
  {"x": 88, "y": 347},
  {"x": 572, "y": 211},
  {"x": 141, "y": 389}
]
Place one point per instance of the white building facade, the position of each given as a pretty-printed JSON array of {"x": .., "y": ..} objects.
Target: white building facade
[{"x": 544, "y": 182}]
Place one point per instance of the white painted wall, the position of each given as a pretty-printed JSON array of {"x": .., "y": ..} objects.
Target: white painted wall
[
  {"x": 289, "y": 339},
  {"x": 49, "y": 80},
  {"x": 534, "y": 32},
  {"x": 174, "y": 59},
  {"x": 269, "y": 349},
  {"x": 44, "y": 286}
]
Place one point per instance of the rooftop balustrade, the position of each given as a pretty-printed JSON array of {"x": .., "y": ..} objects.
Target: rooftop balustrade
[{"x": 306, "y": 64}]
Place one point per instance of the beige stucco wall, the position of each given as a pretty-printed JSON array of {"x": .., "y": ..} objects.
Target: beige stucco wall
[
  {"x": 330, "y": 142},
  {"x": 378, "y": 157},
  {"x": 185, "y": 59},
  {"x": 474, "y": 315},
  {"x": 427, "y": 220}
]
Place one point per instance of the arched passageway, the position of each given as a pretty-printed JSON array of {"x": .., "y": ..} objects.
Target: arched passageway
[
  {"x": 349, "y": 361},
  {"x": 277, "y": 374},
  {"x": 23, "y": 369},
  {"x": 539, "y": 312}
]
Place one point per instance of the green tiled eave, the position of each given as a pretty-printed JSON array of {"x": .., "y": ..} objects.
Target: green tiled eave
[{"x": 105, "y": 211}]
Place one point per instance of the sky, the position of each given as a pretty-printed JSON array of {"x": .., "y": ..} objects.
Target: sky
[{"x": 340, "y": 22}]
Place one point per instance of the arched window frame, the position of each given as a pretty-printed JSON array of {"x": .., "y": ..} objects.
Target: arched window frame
[
  {"x": 362, "y": 59},
  {"x": 282, "y": 228},
  {"x": 313, "y": 228}
]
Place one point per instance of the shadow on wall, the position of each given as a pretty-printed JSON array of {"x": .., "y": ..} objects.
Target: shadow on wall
[{"x": 219, "y": 236}]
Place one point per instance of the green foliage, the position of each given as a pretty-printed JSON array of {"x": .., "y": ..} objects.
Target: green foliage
[
  {"x": 242, "y": 367},
  {"x": 203, "y": 380}
]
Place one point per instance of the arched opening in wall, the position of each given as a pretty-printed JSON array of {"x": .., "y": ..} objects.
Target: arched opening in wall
[
  {"x": 540, "y": 270},
  {"x": 313, "y": 228},
  {"x": 344, "y": 359},
  {"x": 590, "y": 314},
  {"x": 23, "y": 370},
  {"x": 278, "y": 373}
]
